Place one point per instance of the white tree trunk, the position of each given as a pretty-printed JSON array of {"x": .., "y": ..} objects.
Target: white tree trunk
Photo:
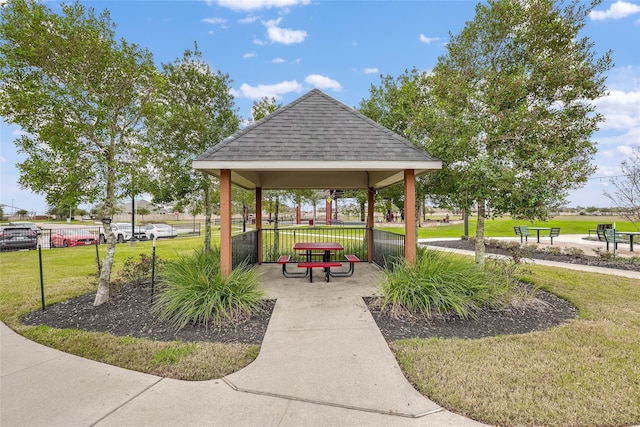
[{"x": 102, "y": 295}]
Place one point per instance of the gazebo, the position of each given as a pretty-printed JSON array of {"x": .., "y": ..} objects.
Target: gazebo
[{"x": 315, "y": 142}]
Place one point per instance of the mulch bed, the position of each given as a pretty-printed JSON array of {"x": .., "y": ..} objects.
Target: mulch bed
[
  {"x": 128, "y": 314},
  {"x": 544, "y": 311},
  {"x": 618, "y": 263}
]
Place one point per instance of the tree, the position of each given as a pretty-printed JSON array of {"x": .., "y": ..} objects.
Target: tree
[
  {"x": 263, "y": 108},
  {"x": 626, "y": 196},
  {"x": 142, "y": 211},
  {"x": 195, "y": 112},
  {"x": 395, "y": 104},
  {"x": 78, "y": 95},
  {"x": 509, "y": 110}
]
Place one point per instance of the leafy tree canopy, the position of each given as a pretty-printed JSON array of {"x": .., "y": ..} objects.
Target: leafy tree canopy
[
  {"x": 80, "y": 112},
  {"x": 194, "y": 112},
  {"x": 511, "y": 114}
]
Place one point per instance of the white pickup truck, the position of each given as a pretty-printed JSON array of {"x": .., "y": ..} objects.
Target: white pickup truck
[{"x": 121, "y": 230}]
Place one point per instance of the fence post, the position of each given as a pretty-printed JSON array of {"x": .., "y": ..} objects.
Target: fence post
[
  {"x": 153, "y": 267},
  {"x": 41, "y": 276},
  {"x": 98, "y": 258}
]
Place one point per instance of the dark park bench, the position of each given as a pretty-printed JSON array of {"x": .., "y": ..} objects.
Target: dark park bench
[
  {"x": 600, "y": 227},
  {"x": 610, "y": 235},
  {"x": 523, "y": 232}
]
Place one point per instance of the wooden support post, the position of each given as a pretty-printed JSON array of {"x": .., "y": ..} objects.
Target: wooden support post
[
  {"x": 370, "y": 222},
  {"x": 225, "y": 223},
  {"x": 328, "y": 211},
  {"x": 259, "y": 221},
  {"x": 410, "y": 238}
]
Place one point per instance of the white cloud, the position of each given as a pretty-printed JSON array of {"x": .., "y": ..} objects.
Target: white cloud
[
  {"x": 621, "y": 110},
  {"x": 617, "y": 10},
  {"x": 278, "y": 61},
  {"x": 271, "y": 91},
  {"x": 625, "y": 150},
  {"x": 283, "y": 35},
  {"x": 428, "y": 40},
  {"x": 214, "y": 21},
  {"x": 244, "y": 5},
  {"x": 249, "y": 19},
  {"x": 370, "y": 70},
  {"x": 259, "y": 42},
  {"x": 249, "y": 55},
  {"x": 624, "y": 78},
  {"x": 322, "y": 82}
]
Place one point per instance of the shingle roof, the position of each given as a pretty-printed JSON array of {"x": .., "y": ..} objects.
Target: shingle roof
[{"x": 314, "y": 133}]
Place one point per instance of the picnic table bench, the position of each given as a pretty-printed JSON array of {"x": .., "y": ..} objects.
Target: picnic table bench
[
  {"x": 324, "y": 264},
  {"x": 609, "y": 235},
  {"x": 600, "y": 227},
  {"x": 522, "y": 231}
]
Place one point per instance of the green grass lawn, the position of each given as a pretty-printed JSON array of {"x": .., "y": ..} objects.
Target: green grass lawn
[
  {"x": 584, "y": 373},
  {"x": 502, "y": 227}
]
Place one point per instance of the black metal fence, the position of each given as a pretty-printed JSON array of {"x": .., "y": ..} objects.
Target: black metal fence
[
  {"x": 280, "y": 242},
  {"x": 244, "y": 248},
  {"x": 388, "y": 248},
  {"x": 79, "y": 236}
]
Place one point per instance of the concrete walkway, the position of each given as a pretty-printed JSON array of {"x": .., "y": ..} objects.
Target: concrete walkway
[{"x": 323, "y": 362}]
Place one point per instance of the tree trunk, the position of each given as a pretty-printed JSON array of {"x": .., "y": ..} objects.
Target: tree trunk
[
  {"x": 102, "y": 295},
  {"x": 480, "y": 252},
  {"x": 362, "y": 211}
]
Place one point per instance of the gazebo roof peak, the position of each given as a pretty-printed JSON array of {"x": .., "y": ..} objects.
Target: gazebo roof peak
[{"x": 315, "y": 142}]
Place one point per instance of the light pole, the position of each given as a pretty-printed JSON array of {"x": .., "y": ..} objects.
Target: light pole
[{"x": 133, "y": 217}]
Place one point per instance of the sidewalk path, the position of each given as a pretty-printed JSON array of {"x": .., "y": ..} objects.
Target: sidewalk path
[{"x": 323, "y": 362}]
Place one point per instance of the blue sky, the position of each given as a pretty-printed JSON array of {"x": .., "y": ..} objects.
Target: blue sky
[{"x": 284, "y": 48}]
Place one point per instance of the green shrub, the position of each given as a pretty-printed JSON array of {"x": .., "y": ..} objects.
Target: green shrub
[
  {"x": 193, "y": 290},
  {"x": 439, "y": 282},
  {"x": 136, "y": 271}
]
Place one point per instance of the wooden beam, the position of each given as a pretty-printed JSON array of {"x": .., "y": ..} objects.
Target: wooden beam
[
  {"x": 225, "y": 223},
  {"x": 410, "y": 238},
  {"x": 259, "y": 221}
]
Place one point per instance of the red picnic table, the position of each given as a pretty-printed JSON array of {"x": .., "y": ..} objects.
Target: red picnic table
[{"x": 324, "y": 248}]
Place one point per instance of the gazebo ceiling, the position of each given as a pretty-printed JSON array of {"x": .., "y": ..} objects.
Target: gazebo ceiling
[{"x": 315, "y": 142}]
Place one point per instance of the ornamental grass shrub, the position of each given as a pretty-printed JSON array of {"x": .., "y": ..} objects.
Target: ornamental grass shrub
[
  {"x": 193, "y": 290},
  {"x": 440, "y": 283}
]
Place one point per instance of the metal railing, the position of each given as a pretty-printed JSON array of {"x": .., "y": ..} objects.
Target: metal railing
[
  {"x": 388, "y": 248},
  {"x": 244, "y": 249},
  {"x": 280, "y": 242}
]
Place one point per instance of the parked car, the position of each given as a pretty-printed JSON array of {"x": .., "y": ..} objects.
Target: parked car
[
  {"x": 152, "y": 231},
  {"x": 32, "y": 225},
  {"x": 121, "y": 230},
  {"x": 14, "y": 237},
  {"x": 138, "y": 234},
  {"x": 72, "y": 237}
]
